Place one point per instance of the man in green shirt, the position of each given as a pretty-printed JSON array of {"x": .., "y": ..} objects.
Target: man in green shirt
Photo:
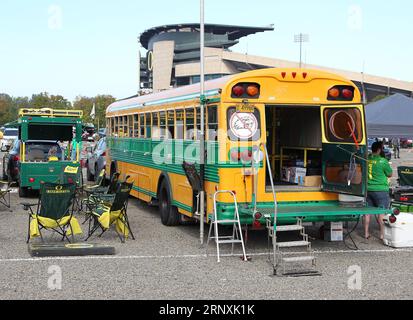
[{"x": 378, "y": 188}]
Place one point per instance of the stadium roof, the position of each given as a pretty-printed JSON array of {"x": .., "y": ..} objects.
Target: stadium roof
[{"x": 233, "y": 32}]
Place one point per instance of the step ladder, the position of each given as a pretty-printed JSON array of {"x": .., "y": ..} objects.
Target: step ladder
[
  {"x": 235, "y": 238},
  {"x": 282, "y": 258}
]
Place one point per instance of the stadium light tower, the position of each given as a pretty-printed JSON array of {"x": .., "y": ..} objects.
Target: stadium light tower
[{"x": 301, "y": 38}]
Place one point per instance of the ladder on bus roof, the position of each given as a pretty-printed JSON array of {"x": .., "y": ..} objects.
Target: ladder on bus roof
[
  {"x": 280, "y": 258},
  {"x": 235, "y": 238}
]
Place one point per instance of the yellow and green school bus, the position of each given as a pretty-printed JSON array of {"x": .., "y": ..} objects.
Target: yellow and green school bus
[{"x": 310, "y": 123}]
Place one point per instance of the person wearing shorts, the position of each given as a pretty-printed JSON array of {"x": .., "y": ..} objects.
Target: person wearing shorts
[{"x": 378, "y": 195}]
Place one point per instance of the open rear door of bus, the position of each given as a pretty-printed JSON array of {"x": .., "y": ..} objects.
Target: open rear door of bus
[{"x": 344, "y": 150}]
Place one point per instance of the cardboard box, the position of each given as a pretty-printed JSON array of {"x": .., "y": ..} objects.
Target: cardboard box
[
  {"x": 333, "y": 231},
  {"x": 298, "y": 175},
  {"x": 313, "y": 181}
]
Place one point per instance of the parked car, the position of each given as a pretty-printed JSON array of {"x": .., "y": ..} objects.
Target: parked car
[
  {"x": 387, "y": 151},
  {"x": 11, "y": 162},
  {"x": 9, "y": 136},
  {"x": 96, "y": 160},
  {"x": 406, "y": 143}
]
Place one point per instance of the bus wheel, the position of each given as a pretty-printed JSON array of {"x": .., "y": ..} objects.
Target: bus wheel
[
  {"x": 169, "y": 213},
  {"x": 23, "y": 192}
]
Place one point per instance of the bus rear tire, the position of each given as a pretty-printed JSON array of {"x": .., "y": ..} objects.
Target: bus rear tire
[
  {"x": 169, "y": 213},
  {"x": 23, "y": 192}
]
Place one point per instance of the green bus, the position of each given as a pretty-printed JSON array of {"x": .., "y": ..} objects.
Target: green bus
[{"x": 50, "y": 145}]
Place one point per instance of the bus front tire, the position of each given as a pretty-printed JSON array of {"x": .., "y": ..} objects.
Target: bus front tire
[
  {"x": 169, "y": 213},
  {"x": 23, "y": 192}
]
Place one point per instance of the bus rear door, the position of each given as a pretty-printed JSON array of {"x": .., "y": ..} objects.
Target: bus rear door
[{"x": 344, "y": 150}]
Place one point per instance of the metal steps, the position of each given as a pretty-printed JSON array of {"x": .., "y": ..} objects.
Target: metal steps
[
  {"x": 290, "y": 228},
  {"x": 293, "y": 244},
  {"x": 299, "y": 259},
  {"x": 283, "y": 259}
]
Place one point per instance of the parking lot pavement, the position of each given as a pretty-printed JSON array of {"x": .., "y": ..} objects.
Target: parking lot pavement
[{"x": 168, "y": 263}]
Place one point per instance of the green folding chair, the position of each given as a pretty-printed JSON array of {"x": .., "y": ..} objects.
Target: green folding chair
[
  {"x": 99, "y": 184},
  {"x": 5, "y": 190},
  {"x": 54, "y": 212},
  {"x": 105, "y": 215}
]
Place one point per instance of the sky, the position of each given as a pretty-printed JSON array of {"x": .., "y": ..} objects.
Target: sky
[{"x": 90, "y": 47}]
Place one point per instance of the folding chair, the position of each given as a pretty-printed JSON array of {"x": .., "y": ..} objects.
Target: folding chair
[
  {"x": 95, "y": 195},
  {"x": 99, "y": 183},
  {"x": 105, "y": 215},
  {"x": 74, "y": 176},
  {"x": 54, "y": 212},
  {"x": 5, "y": 190}
]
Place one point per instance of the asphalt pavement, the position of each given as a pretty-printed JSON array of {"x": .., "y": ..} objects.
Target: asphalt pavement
[{"x": 168, "y": 263}]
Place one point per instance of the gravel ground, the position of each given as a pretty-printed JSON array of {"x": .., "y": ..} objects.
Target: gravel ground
[{"x": 168, "y": 263}]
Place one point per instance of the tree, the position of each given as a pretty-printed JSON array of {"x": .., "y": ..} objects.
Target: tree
[
  {"x": 44, "y": 100},
  {"x": 86, "y": 104}
]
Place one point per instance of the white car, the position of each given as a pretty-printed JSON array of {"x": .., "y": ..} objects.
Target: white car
[{"x": 9, "y": 136}]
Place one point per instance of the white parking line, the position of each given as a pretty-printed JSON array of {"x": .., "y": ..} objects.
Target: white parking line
[{"x": 195, "y": 256}]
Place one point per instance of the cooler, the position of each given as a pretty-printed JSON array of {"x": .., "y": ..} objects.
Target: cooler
[{"x": 400, "y": 233}]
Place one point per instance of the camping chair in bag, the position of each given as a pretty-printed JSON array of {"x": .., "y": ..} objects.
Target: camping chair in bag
[
  {"x": 54, "y": 212},
  {"x": 104, "y": 215},
  {"x": 403, "y": 194},
  {"x": 5, "y": 190}
]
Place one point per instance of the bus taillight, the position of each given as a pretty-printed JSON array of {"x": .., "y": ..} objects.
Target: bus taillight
[
  {"x": 32, "y": 180},
  {"x": 341, "y": 93},
  {"x": 246, "y": 90},
  {"x": 238, "y": 91},
  {"x": 253, "y": 90}
]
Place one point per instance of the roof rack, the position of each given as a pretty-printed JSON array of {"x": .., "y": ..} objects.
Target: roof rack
[{"x": 50, "y": 113}]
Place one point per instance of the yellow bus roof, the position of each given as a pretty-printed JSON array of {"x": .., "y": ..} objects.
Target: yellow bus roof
[{"x": 215, "y": 88}]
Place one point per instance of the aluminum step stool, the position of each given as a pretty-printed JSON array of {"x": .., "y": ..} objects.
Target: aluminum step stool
[
  {"x": 236, "y": 238},
  {"x": 282, "y": 259}
]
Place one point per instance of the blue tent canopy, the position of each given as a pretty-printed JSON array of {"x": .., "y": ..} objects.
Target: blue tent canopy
[{"x": 391, "y": 117}]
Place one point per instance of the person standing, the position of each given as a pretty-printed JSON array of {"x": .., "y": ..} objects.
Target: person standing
[
  {"x": 396, "y": 147},
  {"x": 378, "y": 187}
]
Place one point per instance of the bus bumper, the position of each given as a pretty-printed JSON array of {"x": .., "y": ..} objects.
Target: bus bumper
[{"x": 288, "y": 213}]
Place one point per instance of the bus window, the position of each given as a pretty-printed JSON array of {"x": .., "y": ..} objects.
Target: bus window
[
  {"x": 198, "y": 123},
  {"x": 125, "y": 126},
  {"x": 243, "y": 126},
  {"x": 180, "y": 124},
  {"x": 190, "y": 124},
  {"x": 135, "y": 126},
  {"x": 155, "y": 126},
  {"x": 131, "y": 124},
  {"x": 171, "y": 125},
  {"x": 148, "y": 124},
  {"x": 162, "y": 125},
  {"x": 142, "y": 126},
  {"x": 343, "y": 125},
  {"x": 116, "y": 126},
  {"x": 212, "y": 123}
]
